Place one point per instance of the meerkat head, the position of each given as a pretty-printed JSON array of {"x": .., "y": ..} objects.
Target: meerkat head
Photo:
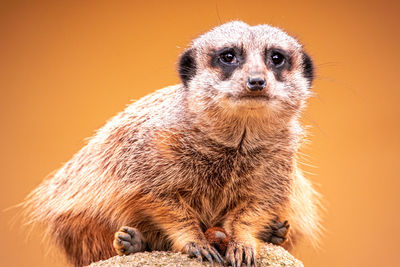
[{"x": 247, "y": 71}]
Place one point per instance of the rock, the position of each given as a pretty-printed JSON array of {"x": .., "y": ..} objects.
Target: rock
[{"x": 269, "y": 255}]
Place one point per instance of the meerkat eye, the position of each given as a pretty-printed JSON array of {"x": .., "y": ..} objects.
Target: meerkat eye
[
  {"x": 228, "y": 58},
  {"x": 277, "y": 59}
]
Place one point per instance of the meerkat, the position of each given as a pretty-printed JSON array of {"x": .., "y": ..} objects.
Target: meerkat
[{"x": 217, "y": 150}]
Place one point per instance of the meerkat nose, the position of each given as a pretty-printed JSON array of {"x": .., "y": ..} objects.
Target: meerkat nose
[{"x": 256, "y": 83}]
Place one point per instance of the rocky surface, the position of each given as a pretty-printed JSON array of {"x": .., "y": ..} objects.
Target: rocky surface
[{"x": 269, "y": 255}]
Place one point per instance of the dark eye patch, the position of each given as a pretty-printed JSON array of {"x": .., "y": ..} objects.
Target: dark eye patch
[
  {"x": 227, "y": 59},
  {"x": 187, "y": 66},
  {"x": 308, "y": 67},
  {"x": 278, "y": 60}
]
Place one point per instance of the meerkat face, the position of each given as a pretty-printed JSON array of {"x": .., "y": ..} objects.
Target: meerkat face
[{"x": 248, "y": 70}]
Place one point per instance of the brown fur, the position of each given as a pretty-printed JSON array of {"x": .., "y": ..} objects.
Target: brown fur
[{"x": 187, "y": 158}]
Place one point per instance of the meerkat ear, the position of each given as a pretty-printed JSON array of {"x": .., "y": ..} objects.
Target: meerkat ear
[
  {"x": 187, "y": 66},
  {"x": 308, "y": 67}
]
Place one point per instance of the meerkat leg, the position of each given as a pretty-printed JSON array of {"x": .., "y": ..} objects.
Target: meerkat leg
[
  {"x": 243, "y": 224},
  {"x": 183, "y": 230},
  {"x": 128, "y": 240},
  {"x": 189, "y": 239}
]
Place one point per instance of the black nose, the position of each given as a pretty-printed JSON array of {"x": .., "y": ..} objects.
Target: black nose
[{"x": 256, "y": 84}]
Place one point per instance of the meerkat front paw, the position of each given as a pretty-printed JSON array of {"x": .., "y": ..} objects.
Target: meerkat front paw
[
  {"x": 203, "y": 250},
  {"x": 238, "y": 253},
  {"x": 280, "y": 231},
  {"x": 128, "y": 240}
]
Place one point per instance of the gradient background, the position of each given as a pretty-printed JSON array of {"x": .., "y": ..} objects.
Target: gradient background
[{"x": 66, "y": 67}]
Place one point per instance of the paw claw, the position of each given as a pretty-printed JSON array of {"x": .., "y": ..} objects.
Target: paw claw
[
  {"x": 203, "y": 250},
  {"x": 237, "y": 254}
]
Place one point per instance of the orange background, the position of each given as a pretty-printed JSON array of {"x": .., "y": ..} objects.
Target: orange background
[{"x": 68, "y": 66}]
